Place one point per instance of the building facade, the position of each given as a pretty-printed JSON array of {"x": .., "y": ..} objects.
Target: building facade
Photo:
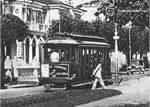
[{"x": 24, "y": 60}]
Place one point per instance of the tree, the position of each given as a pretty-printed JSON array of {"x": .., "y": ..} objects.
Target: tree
[
  {"x": 12, "y": 29},
  {"x": 76, "y": 26},
  {"x": 112, "y": 9}
]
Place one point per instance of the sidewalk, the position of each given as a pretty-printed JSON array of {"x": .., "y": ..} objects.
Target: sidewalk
[
  {"x": 21, "y": 84},
  {"x": 136, "y": 91},
  {"x": 20, "y": 88}
]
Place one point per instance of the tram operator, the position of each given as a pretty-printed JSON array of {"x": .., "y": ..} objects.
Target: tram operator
[
  {"x": 54, "y": 57},
  {"x": 97, "y": 73}
]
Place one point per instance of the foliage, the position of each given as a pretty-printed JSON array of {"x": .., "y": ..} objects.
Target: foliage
[
  {"x": 12, "y": 28},
  {"x": 138, "y": 18},
  {"x": 76, "y": 26},
  {"x": 139, "y": 40},
  {"x": 140, "y": 22}
]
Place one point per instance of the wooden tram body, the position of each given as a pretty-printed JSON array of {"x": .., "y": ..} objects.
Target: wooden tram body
[{"x": 78, "y": 57}]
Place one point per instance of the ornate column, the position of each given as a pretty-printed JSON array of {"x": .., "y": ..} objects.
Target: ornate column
[
  {"x": 37, "y": 50},
  {"x": 19, "y": 50}
]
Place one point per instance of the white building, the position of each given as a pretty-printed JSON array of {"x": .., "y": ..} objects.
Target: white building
[{"x": 37, "y": 14}]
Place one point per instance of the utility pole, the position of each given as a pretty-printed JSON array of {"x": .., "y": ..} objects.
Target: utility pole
[
  {"x": 130, "y": 55},
  {"x": 149, "y": 36},
  {"x": 149, "y": 26},
  {"x": 110, "y": 11},
  {"x": 1, "y": 65}
]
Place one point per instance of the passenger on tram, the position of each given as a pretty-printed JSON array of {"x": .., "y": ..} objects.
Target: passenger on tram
[
  {"x": 97, "y": 73},
  {"x": 54, "y": 57}
]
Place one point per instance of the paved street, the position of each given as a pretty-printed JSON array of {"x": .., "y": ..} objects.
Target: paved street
[{"x": 135, "y": 92}]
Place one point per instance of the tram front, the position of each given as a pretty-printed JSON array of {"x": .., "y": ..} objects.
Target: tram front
[{"x": 59, "y": 61}]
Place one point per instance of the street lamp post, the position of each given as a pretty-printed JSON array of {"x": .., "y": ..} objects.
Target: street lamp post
[
  {"x": 130, "y": 55},
  {"x": 116, "y": 37}
]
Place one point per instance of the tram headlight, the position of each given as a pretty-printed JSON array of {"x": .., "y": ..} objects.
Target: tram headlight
[{"x": 45, "y": 70}]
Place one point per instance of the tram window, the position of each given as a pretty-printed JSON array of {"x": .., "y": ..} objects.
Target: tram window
[
  {"x": 83, "y": 53},
  {"x": 94, "y": 51},
  {"x": 96, "y": 57},
  {"x": 62, "y": 55},
  {"x": 49, "y": 51},
  {"x": 87, "y": 52},
  {"x": 91, "y": 55},
  {"x": 73, "y": 51},
  {"x": 87, "y": 56},
  {"x": 65, "y": 54},
  {"x": 53, "y": 55}
]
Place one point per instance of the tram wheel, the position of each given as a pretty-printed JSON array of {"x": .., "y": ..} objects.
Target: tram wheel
[
  {"x": 40, "y": 83},
  {"x": 68, "y": 86}
]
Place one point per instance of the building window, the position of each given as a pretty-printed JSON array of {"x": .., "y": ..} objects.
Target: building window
[
  {"x": 27, "y": 51},
  {"x": 34, "y": 16},
  {"x": 34, "y": 48},
  {"x": 29, "y": 14}
]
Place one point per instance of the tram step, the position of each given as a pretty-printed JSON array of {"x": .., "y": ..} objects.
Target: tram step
[{"x": 81, "y": 84}]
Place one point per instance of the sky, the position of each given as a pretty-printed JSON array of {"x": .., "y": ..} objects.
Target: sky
[
  {"x": 89, "y": 15},
  {"x": 77, "y": 2}
]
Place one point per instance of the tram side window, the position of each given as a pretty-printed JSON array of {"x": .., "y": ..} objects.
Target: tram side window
[
  {"x": 101, "y": 54},
  {"x": 91, "y": 57},
  {"x": 65, "y": 54},
  {"x": 83, "y": 53},
  {"x": 73, "y": 51},
  {"x": 85, "y": 56},
  {"x": 62, "y": 55}
]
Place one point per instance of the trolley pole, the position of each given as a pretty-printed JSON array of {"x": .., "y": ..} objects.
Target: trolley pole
[
  {"x": 59, "y": 17},
  {"x": 116, "y": 37}
]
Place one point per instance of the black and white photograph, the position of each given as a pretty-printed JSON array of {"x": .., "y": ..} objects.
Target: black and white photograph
[{"x": 74, "y": 53}]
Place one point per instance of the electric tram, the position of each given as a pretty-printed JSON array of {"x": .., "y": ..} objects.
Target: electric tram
[{"x": 74, "y": 59}]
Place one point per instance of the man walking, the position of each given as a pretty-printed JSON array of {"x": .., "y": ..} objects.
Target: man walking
[{"x": 98, "y": 77}]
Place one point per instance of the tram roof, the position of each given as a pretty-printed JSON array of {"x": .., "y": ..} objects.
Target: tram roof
[
  {"x": 64, "y": 38},
  {"x": 79, "y": 37},
  {"x": 74, "y": 42},
  {"x": 61, "y": 42},
  {"x": 91, "y": 43}
]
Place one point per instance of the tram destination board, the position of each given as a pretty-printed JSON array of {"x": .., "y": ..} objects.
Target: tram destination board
[{"x": 59, "y": 70}]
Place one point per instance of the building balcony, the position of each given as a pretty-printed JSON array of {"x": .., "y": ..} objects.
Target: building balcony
[{"x": 37, "y": 27}]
